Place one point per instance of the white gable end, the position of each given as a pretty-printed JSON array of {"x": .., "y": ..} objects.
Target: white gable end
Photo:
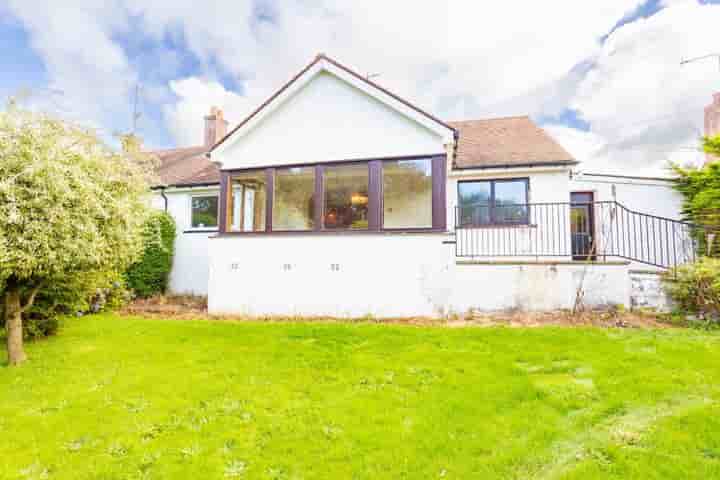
[{"x": 328, "y": 119}]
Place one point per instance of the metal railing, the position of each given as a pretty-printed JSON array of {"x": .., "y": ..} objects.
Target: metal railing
[{"x": 577, "y": 231}]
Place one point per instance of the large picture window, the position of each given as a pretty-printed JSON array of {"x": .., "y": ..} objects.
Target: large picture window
[
  {"x": 247, "y": 201},
  {"x": 204, "y": 211},
  {"x": 493, "y": 202},
  {"x": 372, "y": 195},
  {"x": 346, "y": 197},
  {"x": 294, "y": 196},
  {"x": 407, "y": 193}
]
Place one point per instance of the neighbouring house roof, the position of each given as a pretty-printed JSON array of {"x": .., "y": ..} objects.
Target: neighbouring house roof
[
  {"x": 186, "y": 167},
  {"x": 506, "y": 142}
]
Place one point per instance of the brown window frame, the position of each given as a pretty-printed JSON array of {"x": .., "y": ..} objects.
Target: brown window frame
[
  {"x": 492, "y": 203},
  {"x": 375, "y": 194},
  {"x": 204, "y": 228}
]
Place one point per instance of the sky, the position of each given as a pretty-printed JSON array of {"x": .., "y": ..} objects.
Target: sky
[{"x": 603, "y": 77}]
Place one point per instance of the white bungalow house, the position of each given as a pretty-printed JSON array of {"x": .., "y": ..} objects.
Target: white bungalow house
[{"x": 337, "y": 197}]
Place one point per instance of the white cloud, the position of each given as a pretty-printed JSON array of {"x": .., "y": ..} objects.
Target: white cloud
[
  {"x": 83, "y": 62},
  {"x": 597, "y": 155},
  {"x": 638, "y": 97},
  {"x": 458, "y": 59},
  {"x": 185, "y": 118}
]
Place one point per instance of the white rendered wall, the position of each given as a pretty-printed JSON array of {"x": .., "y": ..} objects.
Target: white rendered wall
[
  {"x": 386, "y": 276},
  {"x": 546, "y": 185},
  {"x": 649, "y": 196},
  {"x": 328, "y": 120},
  {"x": 189, "y": 274},
  {"x": 655, "y": 197}
]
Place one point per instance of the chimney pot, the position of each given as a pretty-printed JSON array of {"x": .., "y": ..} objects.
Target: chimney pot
[{"x": 215, "y": 127}]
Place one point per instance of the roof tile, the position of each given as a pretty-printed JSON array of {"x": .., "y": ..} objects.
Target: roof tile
[
  {"x": 506, "y": 142},
  {"x": 186, "y": 166}
]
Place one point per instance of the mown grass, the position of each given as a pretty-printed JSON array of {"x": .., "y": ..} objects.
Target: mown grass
[{"x": 114, "y": 398}]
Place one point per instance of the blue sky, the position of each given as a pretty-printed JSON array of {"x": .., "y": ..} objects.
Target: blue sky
[{"x": 583, "y": 72}]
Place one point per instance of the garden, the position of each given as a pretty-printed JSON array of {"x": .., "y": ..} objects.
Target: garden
[{"x": 100, "y": 380}]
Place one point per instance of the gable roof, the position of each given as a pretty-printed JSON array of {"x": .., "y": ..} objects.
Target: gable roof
[
  {"x": 506, "y": 142},
  {"x": 324, "y": 63},
  {"x": 487, "y": 143},
  {"x": 186, "y": 167}
]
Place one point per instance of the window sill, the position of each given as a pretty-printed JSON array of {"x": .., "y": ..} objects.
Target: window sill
[
  {"x": 498, "y": 225},
  {"x": 290, "y": 233},
  {"x": 201, "y": 230}
]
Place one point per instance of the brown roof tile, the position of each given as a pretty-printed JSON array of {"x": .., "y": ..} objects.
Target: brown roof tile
[
  {"x": 186, "y": 166},
  {"x": 506, "y": 142}
]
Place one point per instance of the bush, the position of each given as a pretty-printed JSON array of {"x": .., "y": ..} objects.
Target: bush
[
  {"x": 695, "y": 288},
  {"x": 86, "y": 293},
  {"x": 149, "y": 276}
]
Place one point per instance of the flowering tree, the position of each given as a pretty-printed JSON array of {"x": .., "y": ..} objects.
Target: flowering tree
[{"x": 70, "y": 207}]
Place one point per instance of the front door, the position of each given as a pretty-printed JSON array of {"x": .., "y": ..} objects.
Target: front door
[{"x": 582, "y": 225}]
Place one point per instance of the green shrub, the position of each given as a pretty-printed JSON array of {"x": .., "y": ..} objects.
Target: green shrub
[
  {"x": 700, "y": 188},
  {"x": 695, "y": 288},
  {"x": 72, "y": 296},
  {"x": 149, "y": 276}
]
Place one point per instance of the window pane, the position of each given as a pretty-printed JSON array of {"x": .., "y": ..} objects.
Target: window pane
[
  {"x": 204, "y": 212},
  {"x": 294, "y": 191},
  {"x": 510, "y": 200},
  {"x": 474, "y": 203},
  {"x": 346, "y": 197},
  {"x": 247, "y": 205},
  {"x": 407, "y": 194}
]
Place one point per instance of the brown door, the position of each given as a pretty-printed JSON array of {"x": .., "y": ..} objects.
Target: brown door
[{"x": 582, "y": 225}]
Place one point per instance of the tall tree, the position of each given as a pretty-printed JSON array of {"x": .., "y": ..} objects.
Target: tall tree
[{"x": 69, "y": 206}]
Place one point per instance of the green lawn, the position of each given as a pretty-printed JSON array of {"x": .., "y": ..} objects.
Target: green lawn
[{"x": 114, "y": 397}]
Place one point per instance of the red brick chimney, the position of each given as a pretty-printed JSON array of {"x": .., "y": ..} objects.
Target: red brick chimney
[
  {"x": 712, "y": 121},
  {"x": 215, "y": 127}
]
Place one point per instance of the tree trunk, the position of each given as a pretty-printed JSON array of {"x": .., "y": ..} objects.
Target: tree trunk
[{"x": 13, "y": 326}]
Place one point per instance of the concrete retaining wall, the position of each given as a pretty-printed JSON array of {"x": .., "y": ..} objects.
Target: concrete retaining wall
[
  {"x": 646, "y": 291},
  {"x": 390, "y": 275}
]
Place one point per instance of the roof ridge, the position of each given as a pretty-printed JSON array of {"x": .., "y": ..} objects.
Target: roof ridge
[
  {"x": 176, "y": 149},
  {"x": 318, "y": 58},
  {"x": 488, "y": 119}
]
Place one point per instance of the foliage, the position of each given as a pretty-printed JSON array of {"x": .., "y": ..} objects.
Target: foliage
[
  {"x": 695, "y": 288},
  {"x": 149, "y": 276},
  {"x": 712, "y": 145},
  {"x": 90, "y": 293},
  {"x": 114, "y": 397},
  {"x": 71, "y": 210},
  {"x": 700, "y": 188}
]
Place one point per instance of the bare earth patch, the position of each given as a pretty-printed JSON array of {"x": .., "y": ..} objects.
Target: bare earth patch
[{"x": 189, "y": 307}]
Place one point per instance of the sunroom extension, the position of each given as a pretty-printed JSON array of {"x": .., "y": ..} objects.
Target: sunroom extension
[{"x": 378, "y": 195}]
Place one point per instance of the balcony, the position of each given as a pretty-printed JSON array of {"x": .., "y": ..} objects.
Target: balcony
[{"x": 573, "y": 231}]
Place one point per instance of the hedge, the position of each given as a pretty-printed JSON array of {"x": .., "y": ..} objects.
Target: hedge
[{"x": 149, "y": 276}]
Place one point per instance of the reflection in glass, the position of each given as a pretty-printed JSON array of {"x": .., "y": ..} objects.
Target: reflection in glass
[
  {"x": 510, "y": 200},
  {"x": 204, "y": 211},
  {"x": 346, "y": 197},
  {"x": 294, "y": 194},
  {"x": 407, "y": 193},
  {"x": 474, "y": 203},
  {"x": 247, "y": 205}
]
